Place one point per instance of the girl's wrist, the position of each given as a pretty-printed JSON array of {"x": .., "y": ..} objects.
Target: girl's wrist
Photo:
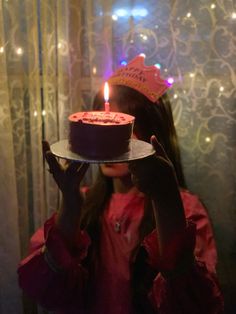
[{"x": 68, "y": 217}]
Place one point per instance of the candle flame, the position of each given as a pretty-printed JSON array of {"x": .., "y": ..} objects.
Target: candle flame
[{"x": 106, "y": 92}]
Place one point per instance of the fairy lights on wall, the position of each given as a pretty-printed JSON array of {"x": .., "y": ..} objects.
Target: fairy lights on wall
[
  {"x": 144, "y": 37},
  {"x": 19, "y": 51},
  {"x": 207, "y": 139},
  {"x": 114, "y": 17},
  {"x": 123, "y": 62},
  {"x": 222, "y": 88},
  {"x": 125, "y": 12},
  {"x": 170, "y": 80},
  {"x": 94, "y": 70}
]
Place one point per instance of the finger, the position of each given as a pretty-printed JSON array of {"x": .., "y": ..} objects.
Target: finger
[
  {"x": 45, "y": 147},
  {"x": 158, "y": 147},
  {"x": 73, "y": 167},
  {"x": 81, "y": 171},
  {"x": 83, "y": 168},
  {"x": 77, "y": 170},
  {"x": 54, "y": 166}
]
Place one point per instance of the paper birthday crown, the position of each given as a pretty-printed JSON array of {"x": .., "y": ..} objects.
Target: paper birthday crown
[{"x": 144, "y": 79}]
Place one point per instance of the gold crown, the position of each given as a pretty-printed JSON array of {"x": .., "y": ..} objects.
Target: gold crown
[{"x": 144, "y": 79}]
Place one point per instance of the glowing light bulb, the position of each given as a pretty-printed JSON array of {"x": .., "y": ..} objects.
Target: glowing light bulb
[
  {"x": 191, "y": 74},
  {"x": 123, "y": 62},
  {"x": 94, "y": 70},
  {"x": 175, "y": 96},
  {"x": 207, "y": 139},
  {"x": 1, "y": 49},
  {"x": 233, "y": 15},
  {"x": 141, "y": 12},
  {"x": 44, "y": 112},
  {"x": 121, "y": 12},
  {"x": 59, "y": 45},
  {"x": 213, "y": 6},
  {"x": 189, "y": 14},
  {"x": 145, "y": 37},
  {"x": 170, "y": 80},
  {"x": 222, "y": 88},
  {"x": 35, "y": 113},
  {"x": 114, "y": 17},
  {"x": 19, "y": 51}
]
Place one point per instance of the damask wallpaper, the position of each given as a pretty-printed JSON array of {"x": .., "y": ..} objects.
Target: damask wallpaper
[{"x": 54, "y": 55}]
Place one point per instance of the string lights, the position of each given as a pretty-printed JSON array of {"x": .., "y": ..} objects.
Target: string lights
[
  {"x": 233, "y": 15},
  {"x": 19, "y": 51}
]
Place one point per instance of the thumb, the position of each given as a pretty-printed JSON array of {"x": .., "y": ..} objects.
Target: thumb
[
  {"x": 158, "y": 147},
  {"x": 45, "y": 147}
]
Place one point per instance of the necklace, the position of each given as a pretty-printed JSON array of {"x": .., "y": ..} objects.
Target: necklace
[
  {"x": 117, "y": 226},
  {"x": 118, "y": 223}
]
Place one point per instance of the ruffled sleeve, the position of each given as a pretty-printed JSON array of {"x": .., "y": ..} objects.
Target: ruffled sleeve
[
  {"x": 52, "y": 275},
  {"x": 196, "y": 291},
  {"x": 183, "y": 284},
  {"x": 205, "y": 246}
]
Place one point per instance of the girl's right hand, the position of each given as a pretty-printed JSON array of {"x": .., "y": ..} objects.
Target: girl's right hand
[{"x": 68, "y": 179}]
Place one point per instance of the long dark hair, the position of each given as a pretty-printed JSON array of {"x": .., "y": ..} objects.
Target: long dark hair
[{"x": 150, "y": 119}]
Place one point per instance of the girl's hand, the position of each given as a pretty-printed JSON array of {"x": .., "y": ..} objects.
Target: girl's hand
[
  {"x": 153, "y": 174},
  {"x": 67, "y": 178}
]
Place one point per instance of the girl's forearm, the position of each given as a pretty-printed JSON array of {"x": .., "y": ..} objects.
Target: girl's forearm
[
  {"x": 169, "y": 215},
  {"x": 68, "y": 218}
]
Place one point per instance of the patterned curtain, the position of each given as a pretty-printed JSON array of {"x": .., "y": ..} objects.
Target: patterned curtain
[{"x": 55, "y": 54}]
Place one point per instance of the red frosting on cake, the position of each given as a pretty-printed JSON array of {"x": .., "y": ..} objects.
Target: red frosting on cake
[{"x": 100, "y": 134}]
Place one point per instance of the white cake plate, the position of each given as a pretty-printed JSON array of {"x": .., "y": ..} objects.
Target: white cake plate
[{"x": 138, "y": 150}]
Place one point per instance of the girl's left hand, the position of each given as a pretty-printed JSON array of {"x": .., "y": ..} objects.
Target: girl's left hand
[{"x": 153, "y": 174}]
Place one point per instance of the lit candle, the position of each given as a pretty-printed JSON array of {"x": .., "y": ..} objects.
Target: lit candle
[{"x": 106, "y": 97}]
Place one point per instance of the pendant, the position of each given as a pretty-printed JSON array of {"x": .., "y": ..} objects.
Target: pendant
[{"x": 117, "y": 226}]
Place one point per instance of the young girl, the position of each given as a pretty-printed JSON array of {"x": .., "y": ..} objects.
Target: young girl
[{"x": 138, "y": 242}]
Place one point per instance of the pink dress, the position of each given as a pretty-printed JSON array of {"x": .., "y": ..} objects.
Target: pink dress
[{"x": 63, "y": 289}]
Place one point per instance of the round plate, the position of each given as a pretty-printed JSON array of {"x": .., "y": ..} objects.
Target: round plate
[{"x": 138, "y": 150}]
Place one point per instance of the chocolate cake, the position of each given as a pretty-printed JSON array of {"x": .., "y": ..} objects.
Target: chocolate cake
[{"x": 100, "y": 134}]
